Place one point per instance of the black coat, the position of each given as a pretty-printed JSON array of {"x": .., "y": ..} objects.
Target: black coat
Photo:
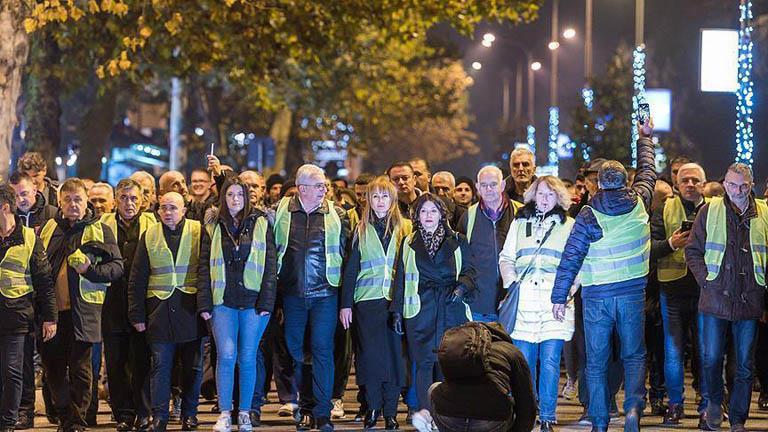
[
  {"x": 115, "y": 311},
  {"x": 86, "y": 317},
  {"x": 302, "y": 272},
  {"x": 38, "y": 215},
  {"x": 172, "y": 320},
  {"x": 660, "y": 248},
  {"x": 18, "y": 315},
  {"x": 235, "y": 294}
]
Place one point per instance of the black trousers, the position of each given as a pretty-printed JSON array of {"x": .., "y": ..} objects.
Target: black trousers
[
  {"x": 654, "y": 343},
  {"x": 67, "y": 366},
  {"x": 342, "y": 360},
  {"x": 27, "y": 405},
  {"x": 277, "y": 361},
  {"x": 11, "y": 377},
  {"x": 761, "y": 354},
  {"x": 127, "y": 358}
]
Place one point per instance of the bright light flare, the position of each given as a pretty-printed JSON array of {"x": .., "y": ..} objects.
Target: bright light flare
[
  {"x": 553, "y": 45},
  {"x": 477, "y": 65},
  {"x": 536, "y": 66},
  {"x": 569, "y": 33}
]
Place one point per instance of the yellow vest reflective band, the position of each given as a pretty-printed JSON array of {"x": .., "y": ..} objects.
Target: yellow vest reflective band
[
  {"x": 374, "y": 281},
  {"x": 622, "y": 253},
  {"x": 673, "y": 267},
  {"x": 145, "y": 220},
  {"x": 354, "y": 219},
  {"x": 91, "y": 292},
  {"x": 15, "y": 277},
  {"x": 412, "y": 301},
  {"x": 550, "y": 253},
  {"x": 332, "y": 227},
  {"x": 472, "y": 216},
  {"x": 254, "y": 266},
  {"x": 717, "y": 238},
  {"x": 165, "y": 275}
]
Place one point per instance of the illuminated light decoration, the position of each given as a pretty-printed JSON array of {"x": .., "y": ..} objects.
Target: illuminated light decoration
[
  {"x": 554, "y": 132},
  {"x": 588, "y": 97},
  {"x": 745, "y": 93},
  {"x": 638, "y": 72},
  {"x": 531, "y": 137}
]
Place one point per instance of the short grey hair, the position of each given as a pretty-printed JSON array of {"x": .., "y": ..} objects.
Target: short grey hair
[
  {"x": 522, "y": 151},
  {"x": 491, "y": 169},
  {"x": 692, "y": 166},
  {"x": 612, "y": 175},
  {"x": 447, "y": 175},
  {"x": 743, "y": 169},
  {"x": 308, "y": 170},
  {"x": 104, "y": 185}
]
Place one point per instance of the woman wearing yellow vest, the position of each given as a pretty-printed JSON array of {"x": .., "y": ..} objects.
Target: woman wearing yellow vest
[
  {"x": 537, "y": 238},
  {"x": 433, "y": 278},
  {"x": 366, "y": 294},
  {"x": 236, "y": 291}
]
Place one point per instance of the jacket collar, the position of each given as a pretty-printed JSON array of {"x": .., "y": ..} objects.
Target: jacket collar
[{"x": 295, "y": 205}]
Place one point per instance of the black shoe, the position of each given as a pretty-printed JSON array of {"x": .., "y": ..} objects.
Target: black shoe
[
  {"x": 52, "y": 419},
  {"x": 215, "y": 409},
  {"x": 762, "y": 402},
  {"x": 360, "y": 416},
  {"x": 632, "y": 421},
  {"x": 175, "y": 414},
  {"x": 142, "y": 424},
  {"x": 547, "y": 426},
  {"x": 705, "y": 425},
  {"x": 189, "y": 423},
  {"x": 390, "y": 423},
  {"x": 599, "y": 428},
  {"x": 306, "y": 423},
  {"x": 324, "y": 424},
  {"x": 255, "y": 419},
  {"x": 371, "y": 417},
  {"x": 25, "y": 421},
  {"x": 674, "y": 414},
  {"x": 158, "y": 426},
  {"x": 91, "y": 421},
  {"x": 123, "y": 427},
  {"x": 658, "y": 408}
]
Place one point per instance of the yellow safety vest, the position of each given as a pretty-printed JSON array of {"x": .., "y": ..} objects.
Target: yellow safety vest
[
  {"x": 90, "y": 292},
  {"x": 551, "y": 252},
  {"x": 15, "y": 276},
  {"x": 165, "y": 275},
  {"x": 717, "y": 239},
  {"x": 332, "y": 228},
  {"x": 254, "y": 266},
  {"x": 145, "y": 220},
  {"x": 374, "y": 281},
  {"x": 623, "y": 252},
  {"x": 472, "y": 216},
  {"x": 673, "y": 267},
  {"x": 354, "y": 219},
  {"x": 412, "y": 301}
]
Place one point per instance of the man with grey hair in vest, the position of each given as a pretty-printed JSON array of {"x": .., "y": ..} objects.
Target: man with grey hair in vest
[
  {"x": 609, "y": 248},
  {"x": 311, "y": 237},
  {"x": 727, "y": 253}
]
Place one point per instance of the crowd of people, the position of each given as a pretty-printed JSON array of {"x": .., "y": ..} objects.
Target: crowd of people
[{"x": 218, "y": 289}]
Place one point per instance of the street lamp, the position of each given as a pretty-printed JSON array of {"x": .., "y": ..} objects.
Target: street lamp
[
  {"x": 569, "y": 33},
  {"x": 477, "y": 65},
  {"x": 536, "y": 66},
  {"x": 553, "y": 45}
]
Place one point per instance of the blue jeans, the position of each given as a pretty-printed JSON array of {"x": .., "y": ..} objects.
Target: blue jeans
[
  {"x": 163, "y": 354},
  {"x": 744, "y": 334},
  {"x": 320, "y": 315},
  {"x": 627, "y": 315},
  {"x": 548, "y": 353},
  {"x": 486, "y": 318},
  {"x": 237, "y": 333},
  {"x": 679, "y": 316}
]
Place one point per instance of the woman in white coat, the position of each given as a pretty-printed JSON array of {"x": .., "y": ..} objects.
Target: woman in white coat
[{"x": 537, "y": 238}]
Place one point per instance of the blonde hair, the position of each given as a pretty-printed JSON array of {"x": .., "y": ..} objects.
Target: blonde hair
[
  {"x": 554, "y": 183},
  {"x": 394, "y": 220}
]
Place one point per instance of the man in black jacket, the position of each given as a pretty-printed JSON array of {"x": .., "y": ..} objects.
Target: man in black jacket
[
  {"x": 85, "y": 259},
  {"x": 26, "y": 293},
  {"x": 311, "y": 238},
  {"x": 33, "y": 165}
]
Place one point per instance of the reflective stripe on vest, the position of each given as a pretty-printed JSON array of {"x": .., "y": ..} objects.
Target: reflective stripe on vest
[
  {"x": 254, "y": 266},
  {"x": 145, "y": 220},
  {"x": 411, "y": 300},
  {"x": 332, "y": 228},
  {"x": 15, "y": 276},
  {"x": 623, "y": 252},
  {"x": 165, "y": 275},
  {"x": 472, "y": 216},
  {"x": 550, "y": 253},
  {"x": 374, "y": 281},
  {"x": 90, "y": 292},
  {"x": 673, "y": 267},
  {"x": 717, "y": 238}
]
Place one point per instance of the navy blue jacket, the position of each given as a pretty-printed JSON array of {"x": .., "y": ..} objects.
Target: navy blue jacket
[{"x": 586, "y": 230}]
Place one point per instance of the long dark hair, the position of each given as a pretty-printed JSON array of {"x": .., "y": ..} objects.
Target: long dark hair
[
  {"x": 430, "y": 197},
  {"x": 224, "y": 213}
]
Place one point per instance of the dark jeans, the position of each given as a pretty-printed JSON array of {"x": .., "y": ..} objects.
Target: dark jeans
[
  {"x": 626, "y": 314},
  {"x": 320, "y": 316},
  {"x": 277, "y": 361},
  {"x": 93, "y": 407},
  {"x": 67, "y": 365},
  {"x": 680, "y": 316},
  {"x": 744, "y": 334},
  {"x": 342, "y": 360},
  {"x": 761, "y": 353},
  {"x": 191, "y": 356},
  {"x": 27, "y": 405},
  {"x": 654, "y": 342},
  {"x": 11, "y": 378},
  {"x": 127, "y": 359}
]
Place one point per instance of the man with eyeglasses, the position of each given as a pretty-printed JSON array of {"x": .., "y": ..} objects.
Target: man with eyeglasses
[
  {"x": 311, "y": 237},
  {"x": 679, "y": 292},
  {"x": 727, "y": 252},
  {"x": 522, "y": 166}
]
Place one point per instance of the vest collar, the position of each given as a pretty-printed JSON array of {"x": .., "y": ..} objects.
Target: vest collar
[{"x": 295, "y": 205}]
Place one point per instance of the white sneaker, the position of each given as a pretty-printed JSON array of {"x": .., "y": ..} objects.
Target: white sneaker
[
  {"x": 338, "y": 409},
  {"x": 244, "y": 421},
  {"x": 422, "y": 421},
  {"x": 287, "y": 410},
  {"x": 569, "y": 390},
  {"x": 223, "y": 423}
]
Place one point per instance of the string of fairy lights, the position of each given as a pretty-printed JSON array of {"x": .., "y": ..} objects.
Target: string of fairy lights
[
  {"x": 638, "y": 82},
  {"x": 745, "y": 91}
]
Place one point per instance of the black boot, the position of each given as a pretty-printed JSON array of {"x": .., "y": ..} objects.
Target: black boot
[
  {"x": 142, "y": 424},
  {"x": 674, "y": 414},
  {"x": 189, "y": 423},
  {"x": 547, "y": 426},
  {"x": 158, "y": 425},
  {"x": 390, "y": 423},
  {"x": 306, "y": 423},
  {"x": 371, "y": 417}
]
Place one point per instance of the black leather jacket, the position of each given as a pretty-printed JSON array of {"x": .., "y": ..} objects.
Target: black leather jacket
[{"x": 302, "y": 272}]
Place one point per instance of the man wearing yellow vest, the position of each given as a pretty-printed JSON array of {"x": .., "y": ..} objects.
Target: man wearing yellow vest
[
  {"x": 609, "y": 247},
  {"x": 679, "y": 292},
  {"x": 126, "y": 352},
  {"x": 311, "y": 237},
  {"x": 486, "y": 224},
  {"x": 162, "y": 301},
  {"x": 26, "y": 296},
  {"x": 727, "y": 253},
  {"x": 85, "y": 260}
]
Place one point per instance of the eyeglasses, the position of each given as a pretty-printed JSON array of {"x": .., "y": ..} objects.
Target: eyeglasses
[
  {"x": 318, "y": 187},
  {"x": 744, "y": 187}
]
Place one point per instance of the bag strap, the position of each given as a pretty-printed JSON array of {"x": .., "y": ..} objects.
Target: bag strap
[{"x": 536, "y": 253}]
